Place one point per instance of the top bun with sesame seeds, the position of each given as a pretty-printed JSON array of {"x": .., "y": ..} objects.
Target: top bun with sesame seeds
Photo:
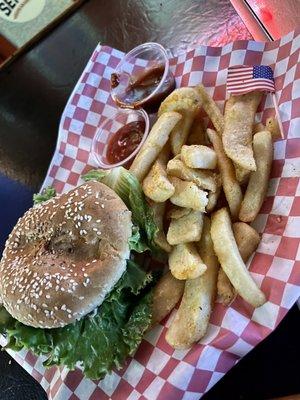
[{"x": 64, "y": 256}]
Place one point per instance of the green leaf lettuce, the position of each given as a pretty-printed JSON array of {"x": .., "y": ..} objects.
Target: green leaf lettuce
[{"x": 100, "y": 341}]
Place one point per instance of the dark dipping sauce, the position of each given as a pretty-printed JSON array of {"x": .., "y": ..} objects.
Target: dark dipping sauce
[
  {"x": 125, "y": 141},
  {"x": 142, "y": 86}
]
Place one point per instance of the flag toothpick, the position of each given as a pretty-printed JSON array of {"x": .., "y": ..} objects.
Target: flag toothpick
[{"x": 243, "y": 79}]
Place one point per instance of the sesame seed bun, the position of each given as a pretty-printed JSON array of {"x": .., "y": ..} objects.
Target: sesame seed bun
[{"x": 64, "y": 256}]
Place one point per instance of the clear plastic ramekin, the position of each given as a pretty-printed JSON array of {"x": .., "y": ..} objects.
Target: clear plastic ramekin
[
  {"x": 140, "y": 59},
  {"x": 110, "y": 127}
]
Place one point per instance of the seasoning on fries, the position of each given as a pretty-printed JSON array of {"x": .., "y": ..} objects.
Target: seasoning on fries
[
  {"x": 237, "y": 136},
  {"x": 166, "y": 295},
  {"x": 186, "y": 229},
  {"x": 272, "y": 126},
  {"x": 231, "y": 186},
  {"x": 154, "y": 143},
  {"x": 187, "y": 102},
  {"x": 247, "y": 240},
  {"x": 258, "y": 182},
  {"x": 188, "y": 194},
  {"x": 205, "y": 257},
  {"x": 191, "y": 320},
  {"x": 156, "y": 185},
  {"x": 185, "y": 261},
  {"x": 211, "y": 109},
  {"x": 206, "y": 180},
  {"x": 231, "y": 261},
  {"x": 198, "y": 156}
]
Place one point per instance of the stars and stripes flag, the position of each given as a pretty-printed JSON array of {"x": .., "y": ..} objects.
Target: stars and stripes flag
[{"x": 244, "y": 78}]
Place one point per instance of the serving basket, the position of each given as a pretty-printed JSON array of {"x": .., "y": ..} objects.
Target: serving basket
[{"x": 157, "y": 371}]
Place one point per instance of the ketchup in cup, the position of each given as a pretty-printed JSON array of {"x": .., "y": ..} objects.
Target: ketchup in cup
[
  {"x": 146, "y": 86},
  {"x": 119, "y": 137},
  {"x": 125, "y": 141}
]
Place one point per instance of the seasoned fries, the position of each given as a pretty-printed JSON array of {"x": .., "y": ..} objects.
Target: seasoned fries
[
  {"x": 231, "y": 261},
  {"x": 258, "y": 182},
  {"x": 213, "y": 199},
  {"x": 156, "y": 185},
  {"x": 185, "y": 262},
  {"x": 154, "y": 143},
  {"x": 272, "y": 126},
  {"x": 198, "y": 156},
  {"x": 205, "y": 256},
  {"x": 231, "y": 186},
  {"x": 242, "y": 174},
  {"x": 237, "y": 136},
  {"x": 166, "y": 294},
  {"x": 188, "y": 228},
  {"x": 197, "y": 132},
  {"x": 178, "y": 212},
  {"x": 247, "y": 240},
  {"x": 211, "y": 109},
  {"x": 188, "y": 194},
  {"x": 191, "y": 320},
  {"x": 206, "y": 180},
  {"x": 187, "y": 102}
]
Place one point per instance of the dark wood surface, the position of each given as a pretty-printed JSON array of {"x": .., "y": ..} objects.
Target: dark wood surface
[{"x": 33, "y": 93}]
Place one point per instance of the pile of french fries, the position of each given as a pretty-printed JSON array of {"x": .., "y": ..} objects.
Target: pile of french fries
[{"x": 205, "y": 186}]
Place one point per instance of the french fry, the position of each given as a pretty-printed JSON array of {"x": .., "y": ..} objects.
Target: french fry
[
  {"x": 226, "y": 291},
  {"x": 178, "y": 212},
  {"x": 185, "y": 262},
  {"x": 180, "y": 133},
  {"x": 156, "y": 185},
  {"x": 198, "y": 156},
  {"x": 166, "y": 294},
  {"x": 206, "y": 180},
  {"x": 186, "y": 229},
  {"x": 242, "y": 174},
  {"x": 258, "y": 182},
  {"x": 158, "y": 215},
  {"x": 231, "y": 187},
  {"x": 273, "y": 127},
  {"x": 247, "y": 240},
  {"x": 258, "y": 127},
  {"x": 211, "y": 109},
  {"x": 213, "y": 199},
  {"x": 191, "y": 320},
  {"x": 231, "y": 261},
  {"x": 188, "y": 194},
  {"x": 237, "y": 136},
  {"x": 187, "y": 102},
  {"x": 197, "y": 132},
  {"x": 154, "y": 143}
]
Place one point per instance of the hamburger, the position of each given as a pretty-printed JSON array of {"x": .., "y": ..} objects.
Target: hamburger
[{"x": 70, "y": 285}]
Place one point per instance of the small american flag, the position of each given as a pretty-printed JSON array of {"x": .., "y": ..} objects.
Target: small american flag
[{"x": 244, "y": 78}]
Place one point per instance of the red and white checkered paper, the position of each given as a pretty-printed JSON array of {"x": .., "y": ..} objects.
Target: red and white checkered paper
[{"x": 157, "y": 371}]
